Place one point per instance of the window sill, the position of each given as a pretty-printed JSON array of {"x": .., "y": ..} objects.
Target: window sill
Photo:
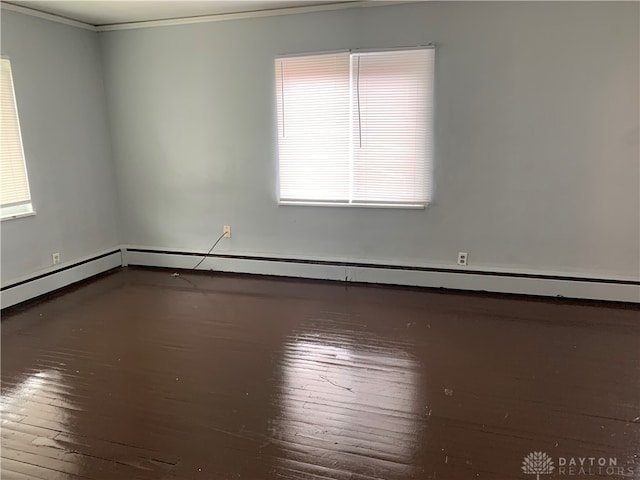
[
  {"x": 19, "y": 211},
  {"x": 406, "y": 206}
]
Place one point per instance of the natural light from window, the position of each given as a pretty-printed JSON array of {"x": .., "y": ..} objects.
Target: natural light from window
[
  {"x": 355, "y": 128},
  {"x": 15, "y": 197}
]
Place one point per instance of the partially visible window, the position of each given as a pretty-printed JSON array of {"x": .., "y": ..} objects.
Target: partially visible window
[
  {"x": 15, "y": 198},
  {"x": 356, "y": 128}
]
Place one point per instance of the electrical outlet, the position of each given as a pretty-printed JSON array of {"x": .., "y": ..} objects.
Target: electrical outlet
[
  {"x": 55, "y": 258},
  {"x": 227, "y": 231},
  {"x": 462, "y": 258}
]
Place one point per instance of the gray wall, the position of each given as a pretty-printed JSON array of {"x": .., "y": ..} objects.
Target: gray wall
[
  {"x": 536, "y": 136},
  {"x": 61, "y": 104}
]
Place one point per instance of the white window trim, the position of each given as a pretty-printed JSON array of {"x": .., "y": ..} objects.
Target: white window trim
[
  {"x": 23, "y": 209},
  {"x": 409, "y": 206},
  {"x": 311, "y": 203},
  {"x": 17, "y": 211}
]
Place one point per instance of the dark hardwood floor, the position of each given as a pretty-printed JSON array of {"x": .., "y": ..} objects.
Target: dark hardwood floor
[{"x": 143, "y": 375}]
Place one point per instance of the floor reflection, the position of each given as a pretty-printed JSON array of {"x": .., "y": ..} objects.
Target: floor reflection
[
  {"x": 34, "y": 413},
  {"x": 347, "y": 407},
  {"x": 36, "y": 397}
]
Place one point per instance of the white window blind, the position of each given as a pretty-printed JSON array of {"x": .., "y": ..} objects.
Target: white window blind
[
  {"x": 313, "y": 122},
  {"x": 15, "y": 197},
  {"x": 356, "y": 128}
]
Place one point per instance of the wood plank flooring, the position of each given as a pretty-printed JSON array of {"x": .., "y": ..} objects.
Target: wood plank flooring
[{"x": 140, "y": 374}]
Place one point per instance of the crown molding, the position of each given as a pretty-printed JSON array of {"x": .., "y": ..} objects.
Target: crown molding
[
  {"x": 202, "y": 18},
  {"x": 47, "y": 16},
  {"x": 243, "y": 15}
]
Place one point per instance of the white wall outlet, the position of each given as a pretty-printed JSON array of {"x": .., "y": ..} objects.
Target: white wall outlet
[
  {"x": 55, "y": 258},
  {"x": 227, "y": 231},
  {"x": 462, "y": 258}
]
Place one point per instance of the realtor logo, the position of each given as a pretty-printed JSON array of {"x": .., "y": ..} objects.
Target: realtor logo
[{"x": 537, "y": 463}]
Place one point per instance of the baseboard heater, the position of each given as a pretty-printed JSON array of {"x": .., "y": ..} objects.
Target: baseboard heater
[
  {"x": 51, "y": 280},
  {"x": 541, "y": 284}
]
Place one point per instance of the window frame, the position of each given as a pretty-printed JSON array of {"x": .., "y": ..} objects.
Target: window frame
[
  {"x": 351, "y": 203},
  {"x": 23, "y": 209}
]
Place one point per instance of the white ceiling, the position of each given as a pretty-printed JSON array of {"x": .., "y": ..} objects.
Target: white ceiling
[{"x": 108, "y": 12}]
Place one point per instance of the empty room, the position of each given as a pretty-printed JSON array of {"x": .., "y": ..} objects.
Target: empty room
[{"x": 320, "y": 240}]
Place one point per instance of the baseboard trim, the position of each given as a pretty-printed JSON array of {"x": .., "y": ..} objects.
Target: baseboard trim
[
  {"x": 50, "y": 280},
  {"x": 539, "y": 284}
]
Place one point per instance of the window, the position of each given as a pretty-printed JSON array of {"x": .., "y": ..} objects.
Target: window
[
  {"x": 355, "y": 128},
  {"x": 15, "y": 198}
]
